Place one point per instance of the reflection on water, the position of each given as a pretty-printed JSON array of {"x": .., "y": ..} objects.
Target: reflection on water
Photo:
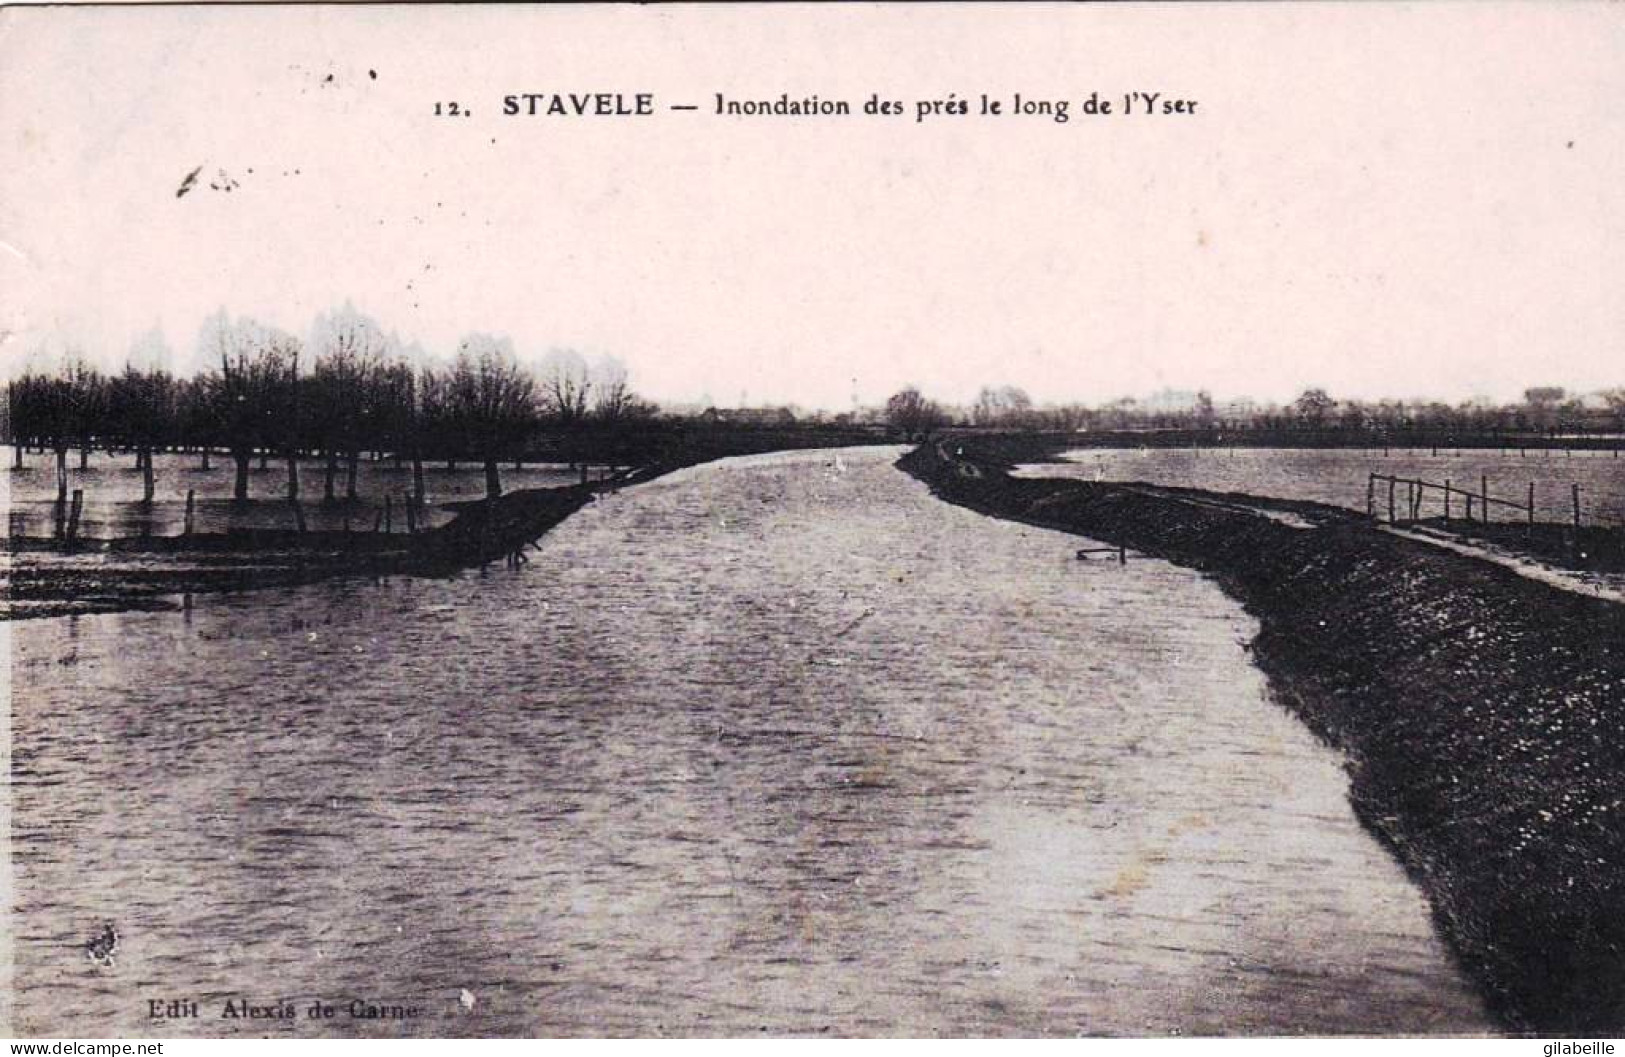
[
  {"x": 779, "y": 744},
  {"x": 113, "y": 505}
]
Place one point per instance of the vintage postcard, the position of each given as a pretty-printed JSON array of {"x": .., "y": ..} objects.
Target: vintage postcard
[{"x": 855, "y": 520}]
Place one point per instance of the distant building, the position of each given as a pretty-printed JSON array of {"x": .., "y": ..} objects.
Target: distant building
[
  {"x": 750, "y": 416},
  {"x": 1170, "y": 402}
]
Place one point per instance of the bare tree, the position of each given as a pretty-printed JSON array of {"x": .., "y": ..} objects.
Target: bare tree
[
  {"x": 351, "y": 350},
  {"x": 612, "y": 390},
  {"x": 253, "y": 392},
  {"x": 59, "y": 409},
  {"x": 1615, "y": 399},
  {"x": 567, "y": 386},
  {"x": 491, "y": 400},
  {"x": 1542, "y": 401},
  {"x": 141, "y": 410},
  {"x": 1007, "y": 405},
  {"x": 1313, "y": 407},
  {"x": 913, "y": 414}
]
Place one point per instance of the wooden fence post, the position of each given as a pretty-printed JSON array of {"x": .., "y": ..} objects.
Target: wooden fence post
[
  {"x": 388, "y": 515},
  {"x": 191, "y": 497},
  {"x": 1484, "y": 494},
  {"x": 1371, "y": 496},
  {"x": 74, "y": 512},
  {"x": 1531, "y": 503},
  {"x": 411, "y": 518},
  {"x": 298, "y": 515},
  {"x": 1576, "y": 493},
  {"x": 1390, "y": 500},
  {"x": 1447, "y": 500}
]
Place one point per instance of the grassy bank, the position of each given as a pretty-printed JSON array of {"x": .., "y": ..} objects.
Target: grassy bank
[{"x": 1482, "y": 715}]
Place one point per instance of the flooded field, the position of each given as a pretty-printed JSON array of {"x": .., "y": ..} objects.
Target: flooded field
[
  {"x": 780, "y": 744},
  {"x": 113, "y": 488},
  {"x": 1338, "y": 475}
]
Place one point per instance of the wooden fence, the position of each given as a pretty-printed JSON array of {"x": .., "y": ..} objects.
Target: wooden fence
[{"x": 1407, "y": 500}]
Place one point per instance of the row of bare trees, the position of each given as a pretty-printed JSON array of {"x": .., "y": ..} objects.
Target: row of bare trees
[
  {"x": 1542, "y": 410},
  {"x": 352, "y": 388}
]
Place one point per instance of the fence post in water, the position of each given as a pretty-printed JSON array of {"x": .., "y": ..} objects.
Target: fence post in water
[
  {"x": 1531, "y": 502},
  {"x": 73, "y": 514},
  {"x": 388, "y": 515},
  {"x": 1122, "y": 554},
  {"x": 1575, "y": 487},
  {"x": 1447, "y": 500},
  {"x": 411, "y": 518},
  {"x": 1390, "y": 500},
  {"x": 191, "y": 497},
  {"x": 1484, "y": 496},
  {"x": 1371, "y": 496},
  {"x": 146, "y": 480},
  {"x": 298, "y": 515}
]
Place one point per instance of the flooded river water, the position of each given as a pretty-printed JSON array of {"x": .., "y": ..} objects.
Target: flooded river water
[{"x": 777, "y": 744}]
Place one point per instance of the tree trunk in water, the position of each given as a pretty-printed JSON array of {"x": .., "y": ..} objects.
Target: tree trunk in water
[
  {"x": 145, "y": 458},
  {"x": 349, "y": 477},
  {"x": 62, "y": 475},
  {"x": 493, "y": 482},
  {"x": 84, "y": 456},
  {"x": 332, "y": 472},
  {"x": 239, "y": 491},
  {"x": 293, "y": 476},
  {"x": 206, "y": 454},
  {"x": 17, "y": 456}
]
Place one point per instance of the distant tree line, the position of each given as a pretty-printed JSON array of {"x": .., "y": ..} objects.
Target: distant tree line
[
  {"x": 351, "y": 389},
  {"x": 1546, "y": 410}
]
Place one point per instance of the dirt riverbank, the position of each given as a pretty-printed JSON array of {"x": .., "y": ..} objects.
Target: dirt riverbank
[{"x": 1480, "y": 713}]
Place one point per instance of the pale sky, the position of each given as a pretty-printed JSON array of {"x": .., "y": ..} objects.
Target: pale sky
[{"x": 1378, "y": 199}]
